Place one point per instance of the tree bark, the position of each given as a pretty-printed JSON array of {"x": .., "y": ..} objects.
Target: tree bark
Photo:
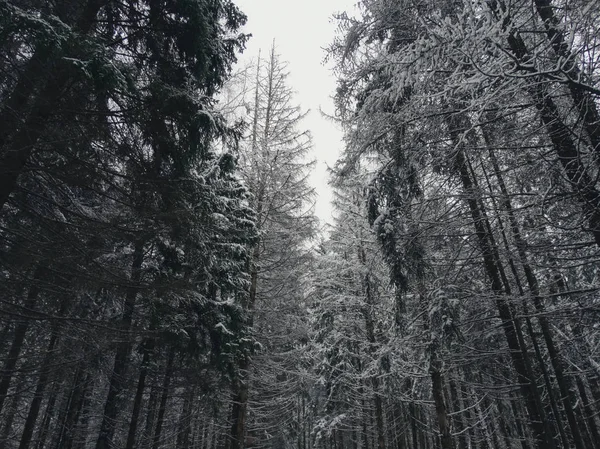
[
  {"x": 34, "y": 408},
  {"x": 581, "y": 98},
  {"x": 117, "y": 379},
  {"x": 20, "y": 332},
  {"x": 148, "y": 348},
  {"x": 563, "y": 381},
  {"x": 75, "y": 405},
  {"x": 163, "y": 400},
  {"x": 511, "y": 329},
  {"x": 242, "y": 383},
  {"x": 565, "y": 148},
  {"x": 185, "y": 421},
  {"x": 47, "y": 417}
]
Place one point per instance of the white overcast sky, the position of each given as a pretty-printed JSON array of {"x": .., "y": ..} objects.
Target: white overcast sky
[{"x": 301, "y": 30}]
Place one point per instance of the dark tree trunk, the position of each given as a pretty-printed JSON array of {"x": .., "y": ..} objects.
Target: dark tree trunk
[
  {"x": 458, "y": 416},
  {"x": 413, "y": 424},
  {"x": 565, "y": 148},
  {"x": 581, "y": 98},
  {"x": 163, "y": 400},
  {"x": 10, "y": 364},
  {"x": 10, "y": 413},
  {"x": 73, "y": 409},
  {"x": 47, "y": 418},
  {"x": 148, "y": 348},
  {"x": 34, "y": 408},
  {"x": 594, "y": 440},
  {"x": 150, "y": 418},
  {"x": 79, "y": 434},
  {"x": 185, "y": 420},
  {"x": 370, "y": 329},
  {"x": 365, "y": 425},
  {"x": 563, "y": 381},
  {"x": 117, "y": 378},
  {"x": 241, "y": 385},
  {"x": 492, "y": 267},
  {"x": 440, "y": 404},
  {"x": 437, "y": 380}
]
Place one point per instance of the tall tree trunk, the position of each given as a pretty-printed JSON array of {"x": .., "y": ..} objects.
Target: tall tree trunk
[
  {"x": 47, "y": 417},
  {"x": 563, "y": 381},
  {"x": 81, "y": 422},
  {"x": 10, "y": 363},
  {"x": 511, "y": 329},
  {"x": 458, "y": 415},
  {"x": 150, "y": 418},
  {"x": 437, "y": 385},
  {"x": 413, "y": 424},
  {"x": 163, "y": 400},
  {"x": 242, "y": 382},
  {"x": 185, "y": 420},
  {"x": 560, "y": 136},
  {"x": 370, "y": 329},
  {"x": 568, "y": 61},
  {"x": 75, "y": 406},
  {"x": 117, "y": 378},
  {"x": 38, "y": 396},
  {"x": 11, "y": 412},
  {"x": 532, "y": 335},
  {"x": 594, "y": 440},
  {"x": 364, "y": 422},
  {"x": 437, "y": 380},
  {"x": 148, "y": 348}
]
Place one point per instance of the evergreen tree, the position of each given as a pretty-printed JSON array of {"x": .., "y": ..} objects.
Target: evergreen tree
[{"x": 274, "y": 167}]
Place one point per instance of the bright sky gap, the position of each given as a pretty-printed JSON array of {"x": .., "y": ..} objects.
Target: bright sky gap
[{"x": 301, "y": 31}]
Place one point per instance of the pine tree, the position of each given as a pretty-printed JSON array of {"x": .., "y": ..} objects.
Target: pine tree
[
  {"x": 125, "y": 233},
  {"x": 274, "y": 167}
]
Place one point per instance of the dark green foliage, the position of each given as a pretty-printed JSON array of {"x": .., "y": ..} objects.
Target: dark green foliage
[{"x": 125, "y": 231}]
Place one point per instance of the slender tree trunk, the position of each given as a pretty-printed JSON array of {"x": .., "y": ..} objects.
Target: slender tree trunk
[
  {"x": 47, "y": 418},
  {"x": 364, "y": 422},
  {"x": 511, "y": 329},
  {"x": 8, "y": 370},
  {"x": 10, "y": 414},
  {"x": 370, "y": 329},
  {"x": 242, "y": 383},
  {"x": 437, "y": 381},
  {"x": 458, "y": 416},
  {"x": 563, "y": 381},
  {"x": 117, "y": 378},
  {"x": 38, "y": 396},
  {"x": 163, "y": 400},
  {"x": 148, "y": 348},
  {"x": 560, "y": 136},
  {"x": 589, "y": 415},
  {"x": 519, "y": 417},
  {"x": 568, "y": 60},
  {"x": 75, "y": 406},
  {"x": 413, "y": 424},
  {"x": 80, "y": 427},
  {"x": 185, "y": 423},
  {"x": 150, "y": 418}
]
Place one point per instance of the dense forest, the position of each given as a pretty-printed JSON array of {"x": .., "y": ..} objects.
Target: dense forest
[{"x": 165, "y": 283}]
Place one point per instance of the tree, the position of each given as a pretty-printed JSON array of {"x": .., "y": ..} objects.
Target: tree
[
  {"x": 419, "y": 98},
  {"x": 274, "y": 167},
  {"x": 116, "y": 208}
]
